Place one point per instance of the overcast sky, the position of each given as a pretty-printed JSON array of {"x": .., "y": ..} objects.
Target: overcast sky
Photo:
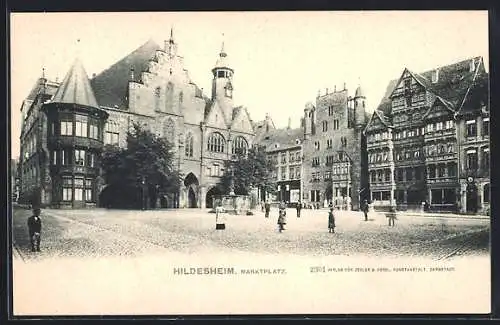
[{"x": 281, "y": 59}]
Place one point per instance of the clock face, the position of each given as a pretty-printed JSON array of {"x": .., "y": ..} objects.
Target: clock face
[{"x": 470, "y": 179}]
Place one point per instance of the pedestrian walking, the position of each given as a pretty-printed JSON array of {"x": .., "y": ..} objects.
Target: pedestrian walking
[
  {"x": 391, "y": 215},
  {"x": 331, "y": 221},
  {"x": 282, "y": 217},
  {"x": 262, "y": 206},
  {"x": 35, "y": 230},
  {"x": 299, "y": 208},
  {"x": 267, "y": 208},
  {"x": 365, "y": 207},
  {"x": 220, "y": 218}
]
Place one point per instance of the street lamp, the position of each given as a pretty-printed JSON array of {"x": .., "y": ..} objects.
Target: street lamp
[{"x": 143, "y": 182}]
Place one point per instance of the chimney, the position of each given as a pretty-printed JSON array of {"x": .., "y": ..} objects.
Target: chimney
[
  {"x": 472, "y": 65},
  {"x": 319, "y": 93},
  {"x": 93, "y": 75},
  {"x": 344, "y": 86},
  {"x": 165, "y": 45},
  {"x": 289, "y": 123},
  {"x": 327, "y": 91},
  {"x": 435, "y": 76},
  {"x": 335, "y": 88}
]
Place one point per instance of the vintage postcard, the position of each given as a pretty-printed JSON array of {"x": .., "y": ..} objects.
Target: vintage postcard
[{"x": 225, "y": 163}]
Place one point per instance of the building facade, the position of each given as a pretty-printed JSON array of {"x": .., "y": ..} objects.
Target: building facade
[
  {"x": 428, "y": 140},
  {"x": 284, "y": 150},
  {"x": 334, "y": 150},
  {"x": 151, "y": 86}
]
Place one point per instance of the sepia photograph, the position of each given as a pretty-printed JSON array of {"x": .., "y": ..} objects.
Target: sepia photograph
[{"x": 250, "y": 163}]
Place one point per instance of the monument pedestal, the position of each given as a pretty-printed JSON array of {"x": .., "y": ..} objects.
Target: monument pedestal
[{"x": 234, "y": 204}]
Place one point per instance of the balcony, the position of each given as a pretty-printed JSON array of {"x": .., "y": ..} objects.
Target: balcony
[
  {"x": 441, "y": 180},
  {"x": 383, "y": 143},
  {"x": 475, "y": 173},
  {"x": 70, "y": 141},
  {"x": 442, "y": 157},
  {"x": 74, "y": 169}
]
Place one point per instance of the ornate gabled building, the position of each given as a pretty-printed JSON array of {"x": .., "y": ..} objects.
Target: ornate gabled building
[
  {"x": 61, "y": 142},
  {"x": 151, "y": 86},
  {"x": 335, "y": 166},
  {"x": 428, "y": 140}
]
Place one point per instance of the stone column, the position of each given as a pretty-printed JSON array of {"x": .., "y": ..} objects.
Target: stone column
[
  {"x": 202, "y": 197},
  {"x": 405, "y": 196},
  {"x": 429, "y": 195}
]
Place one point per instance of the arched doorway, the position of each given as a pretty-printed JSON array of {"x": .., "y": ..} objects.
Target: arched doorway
[
  {"x": 192, "y": 202},
  {"x": 471, "y": 198},
  {"x": 191, "y": 182},
  {"x": 214, "y": 191}
]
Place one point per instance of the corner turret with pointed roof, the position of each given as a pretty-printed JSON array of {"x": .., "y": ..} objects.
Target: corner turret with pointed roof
[
  {"x": 75, "y": 88},
  {"x": 222, "y": 86}
]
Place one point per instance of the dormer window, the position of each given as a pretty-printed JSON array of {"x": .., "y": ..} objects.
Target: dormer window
[
  {"x": 435, "y": 76},
  {"x": 221, "y": 74}
]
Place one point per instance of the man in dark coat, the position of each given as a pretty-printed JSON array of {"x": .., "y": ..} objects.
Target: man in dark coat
[
  {"x": 299, "y": 207},
  {"x": 267, "y": 207},
  {"x": 35, "y": 229},
  {"x": 365, "y": 209}
]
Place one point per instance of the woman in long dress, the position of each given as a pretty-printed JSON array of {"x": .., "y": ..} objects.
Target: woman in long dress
[{"x": 282, "y": 217}]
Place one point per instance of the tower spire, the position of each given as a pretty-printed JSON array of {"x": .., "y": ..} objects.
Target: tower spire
[
  {"x": 171, "y": 40},
  {"x": 222, "y": 52}
]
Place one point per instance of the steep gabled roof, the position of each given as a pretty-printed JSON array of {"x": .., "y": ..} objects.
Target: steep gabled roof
[
  {"x": 285, "y": 138},
  {"x": 75, "y": 88},
  {"x": 111, "y": 85}
]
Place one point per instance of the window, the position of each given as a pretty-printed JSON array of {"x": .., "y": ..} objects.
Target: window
[
  {"x": 486, "y": 158},
  {"x": 329, "y": 160},
  {"x": 400, "y": 175},
  {"x": 112, "y": 132},
  {"x": 441, "y": 170},
  {"x": 439, "y": 126},
  {"x": 387, "y": 175},
  {"x": 80, "y": 157},
  {"x": 297, "y": 173},
  {"x": 54, "y": 157},
  {"x": 157, "y": 95},
  {"x": 297, "y": 156},
  {"x": 407, "y": 154},
  {"x": 283, "y": 173},
  {"x": 450, "y": 148},
  {"x": 471, "y": 159},
  {"x": 169, "y": 130},
  {"x": 66, "y": 128},
  {"x": 181, "y": 97},
  {"x": 449, "y": 125},
  {"x": 94, "y": 129},
  {"x": 471, "y": 128},
  {"x": 291, "y": 172},
  {"x": 81, "y": 126},
  {"x": 432, "y": 171},
  {"x": 486, "y": 193},
  {"x": 315, "y": 161},
  {"x": 343, "y": 140},
  {"x": 90, "y": 159},
  {"x": 215, "y": 170},
  {"x": 416, "y": 154},
  {"x": 67, "y": 194},
  {"x": 329, "y": 143},
  {"x": 216, "y": 142},
  {"x": 240, "y": 145},
  {"x": 418, "y": 173},
  {"x": 335, "y": 124},
  {"x": 67, "y": 157},
  {"x": 78, "y": 194},
  {"x": 328, "y": 175},
  {"x": 189, "y": 145},
  {"x": 221, "y": 74},
  {"x": 452, "y": 169},
  {"x": 486, "y": 126},
  {"x": 430, "y": 127},
  {"x": 325, "y": 126},
  {"x": 317, "y": 145},
  {"x": 283, "y": 157},
  {"x": 88, "y": 189}
]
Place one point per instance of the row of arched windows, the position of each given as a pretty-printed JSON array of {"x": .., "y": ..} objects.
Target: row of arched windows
[{"x": 217, "y": 143}]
